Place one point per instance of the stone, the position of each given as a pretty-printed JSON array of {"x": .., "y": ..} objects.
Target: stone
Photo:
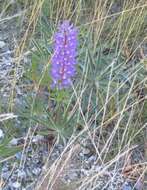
[
  {"x": 18, "y": 155},
  {"x": 2, "y": 44},
  {"x": 13, "y": 142},
  {"x": 1, "y": 134},
  {"x": 126, "y": 186},
  {"x": 73, "y": 175},
  {"x": 92, "y": 158},
  {"x": 6, "y": 175},
  {"x": 86, "y": 151},
  {"x": 36, "y": 171},
  {"x": 37, "y": 138},
  {"x": 16, "y": 184},
  {"x": 21, "y": 174}
]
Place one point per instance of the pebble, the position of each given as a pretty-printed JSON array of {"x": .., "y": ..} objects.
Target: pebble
[
  {"x": 92, "y": 158},
  {"x": 14, "y": 142},
  {"x": 16, "y": 184},
  {"x": 1, "y": 134},
  {"x": 37, "y": 138},
  {"x": 21, "y": 174},
  {"x": 36, "y": 171},
  {"x": 2, "y": 44},
  {"x": 96, "y": 168},
  {"x": 5, "y": 168},
  {"x": 126, "y": 186},
  {"x": 18, "y": 155},
  {"x": 6, "y": 175},
  {"x": 86, "y": 151},
  {"x": 73, "y": 176}
]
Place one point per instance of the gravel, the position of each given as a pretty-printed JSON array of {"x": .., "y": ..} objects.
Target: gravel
[
  {"x": 83, "y": 165},
  {"x": 20, "y": 177}
]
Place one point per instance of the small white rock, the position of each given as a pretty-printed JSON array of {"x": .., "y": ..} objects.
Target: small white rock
[
  {"x": 13, "y": 142},
  {"x": 86, "y": 151},
  {"x": 2, "y": 44},
  {"x": 36, "y": 171},
  {"x": 1, "y": 134},
  {"x": 73, "y": 176},
  {"x": 21, "y": 174},
  {"x": 16, "y": 184},
  {"x": 92, "y": 158},
  {"x": 37, "y": 138},
  {"x": 96, "y": 168}
]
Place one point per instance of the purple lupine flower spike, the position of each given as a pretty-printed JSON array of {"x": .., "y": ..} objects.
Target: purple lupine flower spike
[{"x": 64, "y": 59}]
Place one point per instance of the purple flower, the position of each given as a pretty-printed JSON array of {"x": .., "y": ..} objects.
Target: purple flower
[{"x": 64, "y": 58}]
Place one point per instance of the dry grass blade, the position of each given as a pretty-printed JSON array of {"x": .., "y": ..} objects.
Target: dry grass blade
[{"x": 7, "y": 116}]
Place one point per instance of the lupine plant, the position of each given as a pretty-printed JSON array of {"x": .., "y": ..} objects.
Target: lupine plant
[
  {"x": 64, "y": 58},
  {"x": 56, "y": 79}
]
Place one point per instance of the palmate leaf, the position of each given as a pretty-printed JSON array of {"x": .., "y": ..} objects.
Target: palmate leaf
[
  {"x": 38, "y": 71},
  {"x": 45, "y": 118},
  {"x": 49, "y": 126},
  {"x": 6, "y": 150}
]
